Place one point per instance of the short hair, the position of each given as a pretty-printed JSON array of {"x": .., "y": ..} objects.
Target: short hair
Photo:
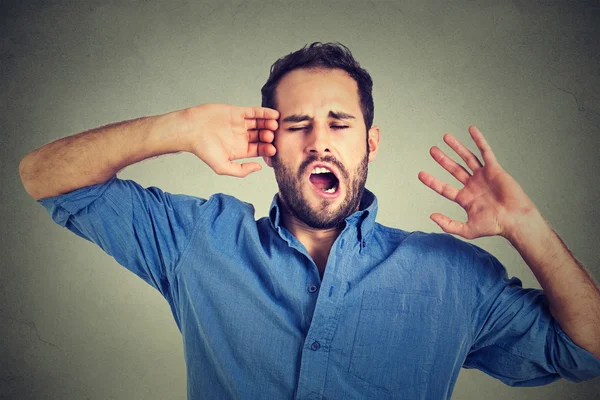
[{"x": 328, "y": 56}]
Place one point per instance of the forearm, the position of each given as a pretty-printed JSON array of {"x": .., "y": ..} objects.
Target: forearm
[
  {"x": 573, "y": 296},
  {"x": 94, "y": 156}
]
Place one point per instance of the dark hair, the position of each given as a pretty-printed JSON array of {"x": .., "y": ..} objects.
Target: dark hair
[{"x": 322, "y": 55}]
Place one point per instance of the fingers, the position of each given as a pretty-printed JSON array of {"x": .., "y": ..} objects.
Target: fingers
[
  {"x": 457, "y": 170},
  {"x": 472, "y": 162},
  {"x": 260, "y": 150},
  {"x": 270, "y": 124},
  {"x": 261, "y": 124},
  {"x": 263, "y": 135},
  {"x": 266, "y": 136},
  {"x": 482, "y": 145},
  {"x": 260, "y": 113},
  {"x": 438, "y": 186}
]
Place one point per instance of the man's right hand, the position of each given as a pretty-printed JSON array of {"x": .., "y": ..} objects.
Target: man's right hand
[
  {"x": 215, "y": 133},
  {"x": 218, "y": 134}
]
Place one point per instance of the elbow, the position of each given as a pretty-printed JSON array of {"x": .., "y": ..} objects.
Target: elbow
[
  {"x": 24, "y": 170},
  {"x": 23, "y": 167},
  {"x": 26, "y": 177}
]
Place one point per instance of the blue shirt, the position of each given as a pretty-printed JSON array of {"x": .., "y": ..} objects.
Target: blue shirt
[{"x": 396, "y": 315}]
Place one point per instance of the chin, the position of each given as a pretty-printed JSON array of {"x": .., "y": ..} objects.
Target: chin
[{"x": 321, "y": 214}]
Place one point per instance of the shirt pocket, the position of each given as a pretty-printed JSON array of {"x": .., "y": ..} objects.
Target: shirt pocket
[{"x": 395, "y": 339}]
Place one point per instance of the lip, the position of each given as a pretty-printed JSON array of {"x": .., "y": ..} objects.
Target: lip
[{"x": 318, "y": 191}]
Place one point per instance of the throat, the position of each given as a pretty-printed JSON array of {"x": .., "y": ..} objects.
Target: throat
[
  {"x": 321, "y": 264},
  {"x": 317, "y": 242},
  {"x": 320, "y": 260},
  {"x": 319, "y": 247}
]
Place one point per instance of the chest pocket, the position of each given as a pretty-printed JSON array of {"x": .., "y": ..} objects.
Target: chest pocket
[{"x": 395, "y": 341}]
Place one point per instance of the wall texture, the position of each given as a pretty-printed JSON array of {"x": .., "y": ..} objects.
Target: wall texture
[{"x": 76, "y": 325}]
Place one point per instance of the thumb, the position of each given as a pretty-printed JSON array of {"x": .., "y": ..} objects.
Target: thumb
[
  {"x": 241, "y": 170},
  {"x": 451, "y": 226}
]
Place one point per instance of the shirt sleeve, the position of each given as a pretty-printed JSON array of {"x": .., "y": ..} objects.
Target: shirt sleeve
[
  {"x": 516, "y": 338},
  {"x": 146, "y": 230}
]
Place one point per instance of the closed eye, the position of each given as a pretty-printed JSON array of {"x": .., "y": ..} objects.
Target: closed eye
[{"x": 332, "y": 126}]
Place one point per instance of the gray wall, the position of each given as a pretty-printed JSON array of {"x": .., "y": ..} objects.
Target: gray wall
[{"x": 76, "y": 325}]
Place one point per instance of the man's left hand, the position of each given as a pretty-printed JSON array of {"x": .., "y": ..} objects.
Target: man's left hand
[{"x": 493, "y": 200}]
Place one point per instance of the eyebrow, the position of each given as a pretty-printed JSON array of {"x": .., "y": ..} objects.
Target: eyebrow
[{"x": 304, "y": 117}]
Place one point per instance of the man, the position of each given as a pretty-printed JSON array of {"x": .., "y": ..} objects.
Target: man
[{"x": 317, "y": 300}]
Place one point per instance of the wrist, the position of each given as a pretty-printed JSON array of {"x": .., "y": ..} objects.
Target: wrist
[
  {"x": 169, "y": 133},
  {"x": 529, "y": 225}
]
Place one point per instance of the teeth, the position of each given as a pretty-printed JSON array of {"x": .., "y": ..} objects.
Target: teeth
[
  {"x": 320, "y": 170},
  {"x": 332, "y": 190}
]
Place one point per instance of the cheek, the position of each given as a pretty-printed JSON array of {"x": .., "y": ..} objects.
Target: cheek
[
  {"x": 285, "y": 148},
  {"x": 284, "y": 158},
  {"x": 353, "y": 153},
  {"x": 279, "y": 142}
]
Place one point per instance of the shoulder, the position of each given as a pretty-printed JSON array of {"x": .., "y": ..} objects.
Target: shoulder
[
  {"x": 425, "y": 241},
  {"x": 436, "y": 247},
  {"x": 477, "y": 265},
  {"x": 221, "y": 200},
  {"x": 472, "y": 263},
  {"x": 226, "y": 208},
  {"x": 185, "y": 204}
]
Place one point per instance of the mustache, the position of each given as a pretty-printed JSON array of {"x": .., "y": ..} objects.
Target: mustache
[{"x": 327, "y": 159}]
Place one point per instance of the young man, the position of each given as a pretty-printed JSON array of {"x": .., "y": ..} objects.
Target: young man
[{"x": 317, "y": 300}]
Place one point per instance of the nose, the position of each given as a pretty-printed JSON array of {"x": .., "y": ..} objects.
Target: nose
[{"x": 319, "y": 140}]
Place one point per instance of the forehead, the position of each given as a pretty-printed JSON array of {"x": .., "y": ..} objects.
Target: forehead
[{"x": 314, "y": 91}]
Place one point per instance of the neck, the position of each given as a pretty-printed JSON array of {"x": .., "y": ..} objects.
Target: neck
[{"x": 318, "y": 242}]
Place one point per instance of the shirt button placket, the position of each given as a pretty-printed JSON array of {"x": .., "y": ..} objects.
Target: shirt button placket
[{"x": 315, "y": 352}]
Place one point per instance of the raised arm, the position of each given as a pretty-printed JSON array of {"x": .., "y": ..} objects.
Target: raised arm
[
  {"x": 215, "y": 133},
  {"x": 497, "y": 205}
]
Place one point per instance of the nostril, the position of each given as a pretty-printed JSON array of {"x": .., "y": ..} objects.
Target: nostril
[{"x": 316, "y": 149}]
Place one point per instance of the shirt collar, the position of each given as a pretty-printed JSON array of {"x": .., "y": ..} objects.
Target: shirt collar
[{"x": 363, "y": 219}]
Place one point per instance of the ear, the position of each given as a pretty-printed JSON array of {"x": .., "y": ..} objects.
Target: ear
[
  {"x": 268, "y": 161},
  {"x": 373, "y": 141}
]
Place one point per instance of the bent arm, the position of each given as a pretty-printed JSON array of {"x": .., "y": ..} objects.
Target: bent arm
[
  {"x": 573, "y": 296},
  {"x": 93, "y": 156}
]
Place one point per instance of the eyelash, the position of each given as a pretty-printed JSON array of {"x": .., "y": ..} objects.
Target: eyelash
[{"x": 333, "y": 126}]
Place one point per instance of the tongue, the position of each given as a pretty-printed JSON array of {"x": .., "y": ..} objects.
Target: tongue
[{"x": 323, "y": 181}]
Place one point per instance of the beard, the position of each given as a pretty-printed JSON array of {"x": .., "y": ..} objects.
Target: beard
[{"x": 291, "y": 194}]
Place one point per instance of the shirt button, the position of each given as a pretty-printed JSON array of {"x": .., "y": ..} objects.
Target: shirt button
[
  {"x": 315, "y": 346},
  {"x": 312, "y": 288}
]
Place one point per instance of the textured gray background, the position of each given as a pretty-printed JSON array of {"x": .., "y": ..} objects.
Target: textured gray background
[{"x": 74, "y": 324}]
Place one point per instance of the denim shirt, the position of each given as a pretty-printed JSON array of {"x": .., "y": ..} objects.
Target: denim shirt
[{"x": 396, "y": 315}]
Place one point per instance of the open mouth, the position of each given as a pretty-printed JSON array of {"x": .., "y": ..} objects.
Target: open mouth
[{"x": 324, "y": 180}]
